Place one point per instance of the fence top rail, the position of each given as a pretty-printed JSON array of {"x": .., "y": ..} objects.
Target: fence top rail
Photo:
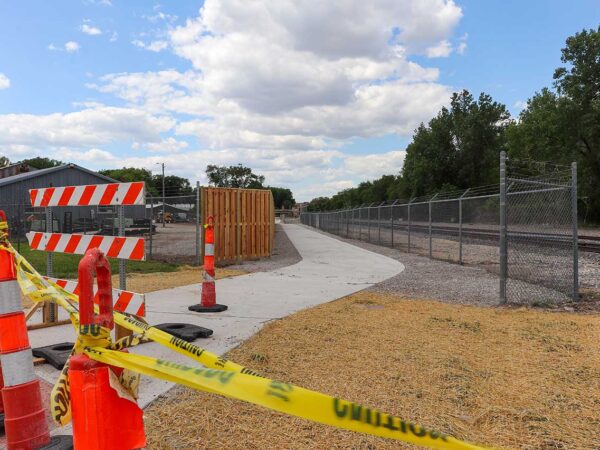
[{"x": 465, "y": 196}]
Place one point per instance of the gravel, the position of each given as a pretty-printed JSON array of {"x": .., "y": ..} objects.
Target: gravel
[
  {"x": 284, "y": 254},
  {"x": 448, "y": 282}
]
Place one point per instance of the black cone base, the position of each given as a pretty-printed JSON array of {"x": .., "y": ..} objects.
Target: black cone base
[
  {"x": 185, "y": 331},
  {"x": 208, "y": 309},
  {"x": 56, "y": 355}
]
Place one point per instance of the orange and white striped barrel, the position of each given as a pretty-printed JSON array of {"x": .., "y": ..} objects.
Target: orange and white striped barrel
[
  {"x": 124, "y": 301},
  {"x": 89, "y": 195},
  {"x": 208, "y": 301},
  {"x": 133, "y": 248},
  {"x": 24, "y": 416}
]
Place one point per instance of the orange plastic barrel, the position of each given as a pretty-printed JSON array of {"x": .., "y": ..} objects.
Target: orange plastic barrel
[{"x": 21, "y": 423}]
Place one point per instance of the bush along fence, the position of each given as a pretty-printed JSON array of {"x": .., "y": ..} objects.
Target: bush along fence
[{"x": 524, "y": 229}]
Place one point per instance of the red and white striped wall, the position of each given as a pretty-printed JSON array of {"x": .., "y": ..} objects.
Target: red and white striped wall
[
  {"x": 112, "y": 246},
  {"x": 90, "y": 195},
  {"x": 124, "y": 301}
]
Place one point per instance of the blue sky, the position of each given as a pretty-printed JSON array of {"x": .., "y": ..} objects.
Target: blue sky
[{"x": 316, "y": 98}]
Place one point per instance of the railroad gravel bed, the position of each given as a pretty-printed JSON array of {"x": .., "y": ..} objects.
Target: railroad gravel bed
[{"x": 468, "y": 284}]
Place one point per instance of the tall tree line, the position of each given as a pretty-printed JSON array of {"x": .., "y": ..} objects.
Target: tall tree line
[{"x": 460, "y": 146}]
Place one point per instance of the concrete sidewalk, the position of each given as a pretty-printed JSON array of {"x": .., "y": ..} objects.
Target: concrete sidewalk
[{"x": 330, "y": 269}]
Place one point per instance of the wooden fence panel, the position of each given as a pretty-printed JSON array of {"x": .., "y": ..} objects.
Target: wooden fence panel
[{"x": 244, "y": 222}]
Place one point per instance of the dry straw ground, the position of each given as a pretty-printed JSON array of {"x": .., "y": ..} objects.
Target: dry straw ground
[
  {"x": 511, "y": 378},
  {"x": 148, "y": 282}
]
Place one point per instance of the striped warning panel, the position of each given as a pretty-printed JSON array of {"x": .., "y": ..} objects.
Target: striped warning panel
[
  {"x": 112, "y": 246},
  {"x": 124, "y": 301},
  {"x": 91, "y": 194}
]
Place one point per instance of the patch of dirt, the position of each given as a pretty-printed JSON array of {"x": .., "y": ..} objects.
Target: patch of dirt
[{"x": 517, "y": 378}]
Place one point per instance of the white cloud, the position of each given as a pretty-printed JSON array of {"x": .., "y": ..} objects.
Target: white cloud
[
  {"x": 98, "y": 2},
  {"x": 375, "y": 165},
  {"x": 520, "y": 105},
  {"x": 90, "y": 29},
  {"x": 72, "y": 46},
  {"x": 94, "y": 155},
  {"x": 69, "y": 47},
  {"x": 278, "y": 86},
  {"x": 441, "y": 50},
  {"x": 154, "y": 46},
  {"x": 4, "y": 81},
  {"x": 114, "y": 36},
  {"x": 161, "y": 16},
  {"x": 462, "y": 45},
  {"x": 169, "y": 145},
  {"x": 86, "y": 128}
]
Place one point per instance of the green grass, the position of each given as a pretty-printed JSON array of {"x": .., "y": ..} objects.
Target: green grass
[{"x": 65, "y": 265}]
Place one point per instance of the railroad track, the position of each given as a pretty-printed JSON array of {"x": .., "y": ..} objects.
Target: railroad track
[{"x": 586, "y": 243}]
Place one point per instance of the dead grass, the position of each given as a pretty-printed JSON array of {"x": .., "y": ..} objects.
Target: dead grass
[
  {"x": 512, "y": 378},
  {"x": 149, "y": 282}
]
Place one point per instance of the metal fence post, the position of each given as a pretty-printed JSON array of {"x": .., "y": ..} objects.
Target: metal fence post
[
  {"x": 347, "y": 223},
  {"x": 503, "y": 229},
  {"x": 151, "y": 226},
  {"x": 460, "y": 226},
  {"x": 122, "y": 275},
  {"x": 379, "y": 224},
  {"x": 360, "y": 224},
  {"x": 368, "y": 209},
  {"x": 197, "y": 223},
  {"x": 408, "y": 244},
  {"x": 392, "y": 221},
  {"x": 50, "y": 311},
  {"x": 575, "y": 231},
  {"x": 430, "y": 240}
]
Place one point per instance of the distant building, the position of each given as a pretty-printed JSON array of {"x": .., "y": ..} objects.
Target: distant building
[
  {"x": 298, "y": 207},
  {"x": 15, "y": 169},
  {"x": 14, "y": 196}
]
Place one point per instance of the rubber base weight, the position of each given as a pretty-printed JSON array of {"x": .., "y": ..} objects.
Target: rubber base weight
[{"x": 208, "y": 309}]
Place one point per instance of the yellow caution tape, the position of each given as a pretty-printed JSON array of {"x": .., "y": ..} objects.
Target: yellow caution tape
[
  {"x": 221, "y": 376},
  {"x": 282, "y": 397}
]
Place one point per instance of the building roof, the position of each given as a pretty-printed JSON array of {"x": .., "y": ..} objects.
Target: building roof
[{"x": 36, "y": 173}]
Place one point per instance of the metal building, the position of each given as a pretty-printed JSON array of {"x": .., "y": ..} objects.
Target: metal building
[{"x": 14, "y": 198}]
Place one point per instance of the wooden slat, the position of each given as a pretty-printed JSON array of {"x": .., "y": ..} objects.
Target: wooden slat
[{"x": 244, "y": 222}]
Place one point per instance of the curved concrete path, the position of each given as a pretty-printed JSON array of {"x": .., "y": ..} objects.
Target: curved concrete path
[{"x": 330, "y": 269}]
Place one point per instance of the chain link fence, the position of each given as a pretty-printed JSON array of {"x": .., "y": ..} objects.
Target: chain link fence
[
  {"x": 532, "y": 215},
  {"x": 176, "y": 230},
  {"x": 174, "y": 239}
]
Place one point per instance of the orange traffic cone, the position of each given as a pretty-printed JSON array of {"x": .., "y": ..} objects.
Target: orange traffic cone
[
  {"x": 208, "y": 302},
  {"x": 24, "y": 416}
]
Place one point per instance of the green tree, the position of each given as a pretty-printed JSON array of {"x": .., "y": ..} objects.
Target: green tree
[
  {"x": 319, "y": 204},
  {"x": 42, "y": 163},
  {"x": 578, "y": 84},
  {"x": 282, "y": 197},
  {"x": 4, "y": 161},
  {"x": 458, "y": 148},
  {"x": 237, "y": 176},
  {"x": 564, "y": 125},
  {"x": 174, "y": 185},
  {"x": 129, "y": 174}
]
